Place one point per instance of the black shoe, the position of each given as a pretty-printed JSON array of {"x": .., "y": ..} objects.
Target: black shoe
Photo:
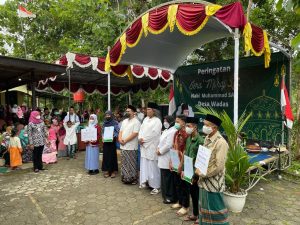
[{"x": 167, "y": 201}]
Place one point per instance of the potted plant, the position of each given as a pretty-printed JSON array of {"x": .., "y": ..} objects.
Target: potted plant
[{"x": 237, "y": 164}]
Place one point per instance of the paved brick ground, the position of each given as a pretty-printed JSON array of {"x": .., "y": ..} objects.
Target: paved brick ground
[{"x": 65, "y": 194}]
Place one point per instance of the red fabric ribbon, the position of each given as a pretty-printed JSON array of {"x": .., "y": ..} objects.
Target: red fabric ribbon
[
  {"x": 115, "y": 52},
  {"x": 158, "y": 18},
  {"x": 153, "y": 72},
  {"x": 138, "y": 70},
  {"x": 132, "y": 34},
  {"x": 82, "y": 59},
  {"x": 190, "y": 16},
  {"x": 232, "y": 15},
  {"x": 257, "y": 39}
]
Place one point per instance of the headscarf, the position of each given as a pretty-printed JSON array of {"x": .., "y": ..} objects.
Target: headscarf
[
  {"x": 95, "y": 120},
  {"x": 19, "y": 112},
  {"x": 33, "y": 118},
  {"x": 111, "y": 123}
]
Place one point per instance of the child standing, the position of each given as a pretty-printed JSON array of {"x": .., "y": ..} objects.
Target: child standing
[
  {"x": 15, "y": 150},
  {"x": 71, "y": 138},
  {"x": 50, "y": 150},
  {"x": 62, "y": 148}
]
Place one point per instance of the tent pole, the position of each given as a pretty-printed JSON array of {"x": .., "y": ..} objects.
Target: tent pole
[
  {"x": 108, "y": 86},
  {"x": 33, "y": 96},
  {"x": 69, "y": 77},
  {"x": 129, "y": 98},
  {"x": 236, "y": 77}
]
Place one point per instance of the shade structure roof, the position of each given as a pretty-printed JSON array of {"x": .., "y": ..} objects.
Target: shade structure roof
[
  {"x": 169, "y": 50},
  {"x": 16, "y": 71},
  {"x": 165, "y": 35}
]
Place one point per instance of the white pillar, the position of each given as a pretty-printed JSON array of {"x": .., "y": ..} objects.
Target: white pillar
[
  {"x": 108, "y": 87},
  {"x": 236, "y": 78},
  {"x": 129, "y": 98}
]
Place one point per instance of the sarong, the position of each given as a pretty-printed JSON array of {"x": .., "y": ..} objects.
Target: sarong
[
  {"x": 212, "y": 210},
  {"x": 129, "y": 172}
]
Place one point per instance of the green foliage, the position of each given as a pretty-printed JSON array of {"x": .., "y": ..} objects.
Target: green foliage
[{"x": 237, "y": 163}]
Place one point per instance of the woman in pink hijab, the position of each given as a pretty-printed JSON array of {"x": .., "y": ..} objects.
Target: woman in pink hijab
[{"x": 37, "y": 136}]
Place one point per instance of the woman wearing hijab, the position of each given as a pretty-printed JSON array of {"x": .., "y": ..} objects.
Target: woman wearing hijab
[
  {"x": 92, "y": 148},
  {"x": 37, "y": 136},
  {"x": 110, "y": 160}
]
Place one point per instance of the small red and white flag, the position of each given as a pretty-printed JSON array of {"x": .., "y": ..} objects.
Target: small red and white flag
[
  {"x": 286, "y": 106},
  {"x": 24, "y": 13},
  {"x": 172, "y": 105}
]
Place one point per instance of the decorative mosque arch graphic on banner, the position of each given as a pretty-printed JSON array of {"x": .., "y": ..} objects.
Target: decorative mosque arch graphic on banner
[{"x": 265, "y": 123}]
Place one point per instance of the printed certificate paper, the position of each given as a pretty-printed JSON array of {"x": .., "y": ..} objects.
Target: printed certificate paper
[
  {"x": 108, "y": 135},
  {"x": 202, "y": 159},
  {"x": 89, "y": 134},
  {"x": 188, "y": 169},
  {"x": 174, "y": 159}
]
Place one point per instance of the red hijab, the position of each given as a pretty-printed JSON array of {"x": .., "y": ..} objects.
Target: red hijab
[{"x": 33, "y": 118}]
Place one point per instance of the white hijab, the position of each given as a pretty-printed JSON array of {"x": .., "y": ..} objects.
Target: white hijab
[{"x": 93, "y": 124}]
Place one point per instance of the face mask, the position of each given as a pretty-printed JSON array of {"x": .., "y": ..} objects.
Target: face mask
[
  {"x": 189, "y": 130},
  {"x": 138, "y": 110},
  {"x": 38, "y": 117},
  {"x": 166, "y": 125},
  {"x": 177, "y": 126},
  {"x": 91, "y": 121},
  {"x": 56, "y": 113},
  {"x": 207, "y": 130},
  {"x": 108, "y": 118},
  {"x": 25, "y": 135}
]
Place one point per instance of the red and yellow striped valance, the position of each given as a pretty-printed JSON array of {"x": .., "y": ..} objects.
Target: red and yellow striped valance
[{"x": 189, "y": 20}]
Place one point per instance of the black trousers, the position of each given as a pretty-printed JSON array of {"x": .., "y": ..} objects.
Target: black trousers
[
  {"x": 182, "y": 190},
  {"x": 37, "y": 157},
  {"x": 194, "y": 191},
  {"x": 167, "y": 185},
  {"x": 110, "y": 160}
]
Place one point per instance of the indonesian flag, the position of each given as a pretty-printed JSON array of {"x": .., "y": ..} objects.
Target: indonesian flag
[
  {"x": 286, "y": 106},
  {"x": 172, "y": 105},
  {"x": 24, "y": 13}
]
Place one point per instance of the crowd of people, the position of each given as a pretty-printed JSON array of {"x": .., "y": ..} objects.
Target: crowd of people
[{"x": 145, "y": 141}]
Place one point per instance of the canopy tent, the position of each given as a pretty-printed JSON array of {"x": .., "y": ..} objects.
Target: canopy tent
[
  {"x": 15, "y": 72},
  {"x": 88, "y": 74},
  {"x": 191, "y": 24}
]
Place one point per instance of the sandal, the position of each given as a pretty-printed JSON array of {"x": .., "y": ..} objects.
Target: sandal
[
  {"x": 106, "y": 175},
  {"x": 196, "y": 222},
  {"x": 113, "y": 175},
  {"x": 190, "y": 218},
  {"x": 183, "y": 211}
]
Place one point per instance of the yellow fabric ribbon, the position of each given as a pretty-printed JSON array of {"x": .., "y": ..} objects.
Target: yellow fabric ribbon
[
  {"x": 172, "y": 11},
  {"x": 107, "y": 63},
  {"x": 210, "y": 10},
  {"x": 247, "y": 37},
  {"x": 145, "y": 22},
  {"x": 267, "y": 50}
]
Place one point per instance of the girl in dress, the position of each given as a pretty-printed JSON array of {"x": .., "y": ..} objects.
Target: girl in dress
[
  {"x": 92, "y": 148},
  {"x": 62, "y": 148},
  {"x": 27, "y": 152},
  {"x": 15, "y": 150}
]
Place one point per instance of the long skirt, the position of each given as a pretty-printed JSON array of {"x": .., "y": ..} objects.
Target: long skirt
[
  {"x": 150, "y": 172},
  {"x": 110, "y": 160},
  {"x": 92, "y": 157},
  {"x": 15, "y": 157},
  {"x": 212, "y": 210},
  {"x": 129, "y": 172},
  {"x": 49, "y": 153}
]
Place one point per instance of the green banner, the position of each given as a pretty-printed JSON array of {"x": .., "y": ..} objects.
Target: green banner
[{"x": 211, "y": 85}]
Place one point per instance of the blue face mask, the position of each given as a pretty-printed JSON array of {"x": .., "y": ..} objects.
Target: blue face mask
[{"x": 177, "y": 126}]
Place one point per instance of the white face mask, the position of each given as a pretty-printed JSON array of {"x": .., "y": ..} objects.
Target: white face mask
[
  {"x": 166, "y": 125},
  {"x": 38, "y": 117},
  {"x": 207, "y": 130},
  {"x": 25, "y": 135},
  {"x": 91, "y": 121},
  {"x": 189, "y": 130}
]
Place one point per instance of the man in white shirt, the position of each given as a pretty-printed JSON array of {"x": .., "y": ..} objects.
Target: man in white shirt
[
  {"x": 149, "y": 139},
  {"x": 71, "y": 116},
  {"x": 128, "y": 138}
]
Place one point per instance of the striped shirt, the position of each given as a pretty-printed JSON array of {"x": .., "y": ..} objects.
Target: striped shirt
[{"x": 214, "y": 181}]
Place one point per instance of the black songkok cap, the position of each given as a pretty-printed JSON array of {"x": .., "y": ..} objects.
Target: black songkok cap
[
  {"x": 132, "y": 108},
  {"x": 213, "y": 119},
  {"x": 152, "y": 105},
  {"x": 194, "y": 120}
]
